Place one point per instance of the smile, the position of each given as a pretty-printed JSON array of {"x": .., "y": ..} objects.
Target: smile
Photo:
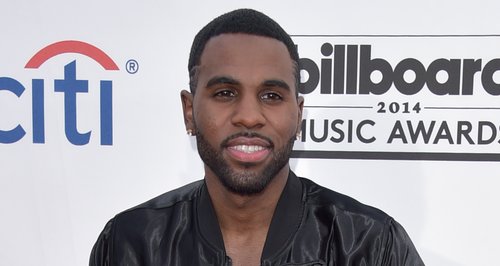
[
  {"x": 248, "y": 153},
  {"x": 247, "y": 148}
]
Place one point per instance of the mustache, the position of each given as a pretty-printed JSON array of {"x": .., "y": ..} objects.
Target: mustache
[{"x": 247, "y": 134}]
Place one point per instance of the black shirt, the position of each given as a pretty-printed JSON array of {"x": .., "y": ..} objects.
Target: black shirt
[{"x": 311, "y": 225}]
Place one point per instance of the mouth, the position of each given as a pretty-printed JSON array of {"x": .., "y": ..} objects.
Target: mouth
[{"x": 248, "y": 148}]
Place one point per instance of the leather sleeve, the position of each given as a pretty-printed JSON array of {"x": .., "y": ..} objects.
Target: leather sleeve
[
  {"x": 398, "y": 250},
  {"x": 101, "y": 252}
]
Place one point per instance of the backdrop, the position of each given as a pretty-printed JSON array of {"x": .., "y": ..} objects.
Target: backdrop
[{"x": 402, "y": 112}]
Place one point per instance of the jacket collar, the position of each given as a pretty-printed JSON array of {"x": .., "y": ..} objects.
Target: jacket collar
[{"x": 284, "y": 224}]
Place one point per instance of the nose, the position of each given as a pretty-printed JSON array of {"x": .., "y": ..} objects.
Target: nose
[{"x": 248, "y": 113}]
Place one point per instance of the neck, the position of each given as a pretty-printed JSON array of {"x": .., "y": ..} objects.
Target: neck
[
  {"x": 245, "y": 214},
  {"x": 245, "y": 220}
]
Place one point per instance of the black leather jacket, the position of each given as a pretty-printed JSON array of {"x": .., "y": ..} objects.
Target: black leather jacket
[{"x": 311, "y": 226}]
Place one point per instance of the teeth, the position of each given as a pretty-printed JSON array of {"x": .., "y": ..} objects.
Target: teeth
[{"x": 248, "y": 148}]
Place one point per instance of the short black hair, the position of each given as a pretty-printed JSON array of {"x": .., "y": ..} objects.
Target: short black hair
[{"x": 247, "y": 21}]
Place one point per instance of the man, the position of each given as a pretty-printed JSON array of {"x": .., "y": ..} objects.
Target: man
[{"x": 250, "y": 209}]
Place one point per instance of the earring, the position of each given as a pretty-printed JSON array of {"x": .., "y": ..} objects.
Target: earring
[
  {"x": 189, "y": 132},
  {"x": 298, "y": 136}
]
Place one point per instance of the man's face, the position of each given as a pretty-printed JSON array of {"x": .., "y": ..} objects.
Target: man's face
[{"x": 245, "y": 112}]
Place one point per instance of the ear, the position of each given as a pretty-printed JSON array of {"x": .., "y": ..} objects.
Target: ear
[
  {"x": 300, "y": 105},
  {"x": 187, "y": 109}
]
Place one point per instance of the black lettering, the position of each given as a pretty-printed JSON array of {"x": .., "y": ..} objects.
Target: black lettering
[
  {"x": 349, "y": 131},
  {"x": 489, "y": 84},
  {"x": 452, "y": 85},
  {"x": 359, "y": 128},
  {"x": 409, "y": 64},
  {"x": 303, "y": 130},
  {"x": 463, "y": 130},
  {"x": 397, "y": 133},
  {"x": 326, "y": 69},
  {"x": 470, "y": 67},
  {"x": 325, "y": 131},
  {"x": 337, "y": 130},
  {"x": 352, "y": 69},
  {"x": 480, "y": 132},
  {"x": 443, "y": 133},
  {"x": 338, "y": 69},
  {"x": 420, "y": 131},
  {"x": 313, "y": 72},
  {"x": 367, "y": 66}
]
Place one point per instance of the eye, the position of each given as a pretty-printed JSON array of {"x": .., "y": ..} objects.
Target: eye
[
  {"x": 271, "y": 96},
  {"x": 224, "y": 94}
]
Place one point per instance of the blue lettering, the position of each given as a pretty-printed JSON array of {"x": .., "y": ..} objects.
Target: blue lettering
[
  {"x": 70, "y": 86},
  {"x": 13, "y": 135},
  {"x": 106, "y": 112},
  {"x": 38, "y": 111}
]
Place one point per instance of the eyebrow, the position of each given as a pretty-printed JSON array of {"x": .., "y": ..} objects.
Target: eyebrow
[
  {"x": 276, "y": 83},
  {"x": 222, "y": 80},
  {"x": 225, "y": 80}
]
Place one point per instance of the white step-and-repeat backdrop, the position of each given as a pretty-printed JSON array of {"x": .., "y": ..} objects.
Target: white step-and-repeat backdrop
[{"x": 402, "y": 112}]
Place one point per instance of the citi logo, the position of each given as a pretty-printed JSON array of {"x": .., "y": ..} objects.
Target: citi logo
[
  {"x": 348, "y": 69},
  {"x": 70, "y": 87}
]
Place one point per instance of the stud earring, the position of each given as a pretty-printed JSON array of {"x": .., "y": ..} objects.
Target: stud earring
[
  {"x": 189, "y": 132},
  {"x": 298, "y": 136}
]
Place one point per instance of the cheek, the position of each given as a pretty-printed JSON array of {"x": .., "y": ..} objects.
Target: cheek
[
  {"x": 293, "y": 126},
  {"x": 286, "y": 124},
  {"x": 206, "y": 121}
]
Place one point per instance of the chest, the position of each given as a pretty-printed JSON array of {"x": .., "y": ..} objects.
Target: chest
[{"x": 245, "y": 250}]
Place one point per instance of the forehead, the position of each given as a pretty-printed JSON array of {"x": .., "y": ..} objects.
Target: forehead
[{"x": 246, "y": 54}]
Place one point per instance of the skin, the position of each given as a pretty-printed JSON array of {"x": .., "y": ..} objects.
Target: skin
[{"x": 245, "y": 86}]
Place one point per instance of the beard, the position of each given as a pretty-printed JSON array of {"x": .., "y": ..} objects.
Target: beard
[{"x": 244, "y": 182}]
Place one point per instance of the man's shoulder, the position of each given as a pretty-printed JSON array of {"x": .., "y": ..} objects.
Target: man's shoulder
[
  {"x": 139, "y": 228},
  {"x": 317, "y": 195},
  {"x": 184, "y": 194},
  {"x": 359, "y": 230}
]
